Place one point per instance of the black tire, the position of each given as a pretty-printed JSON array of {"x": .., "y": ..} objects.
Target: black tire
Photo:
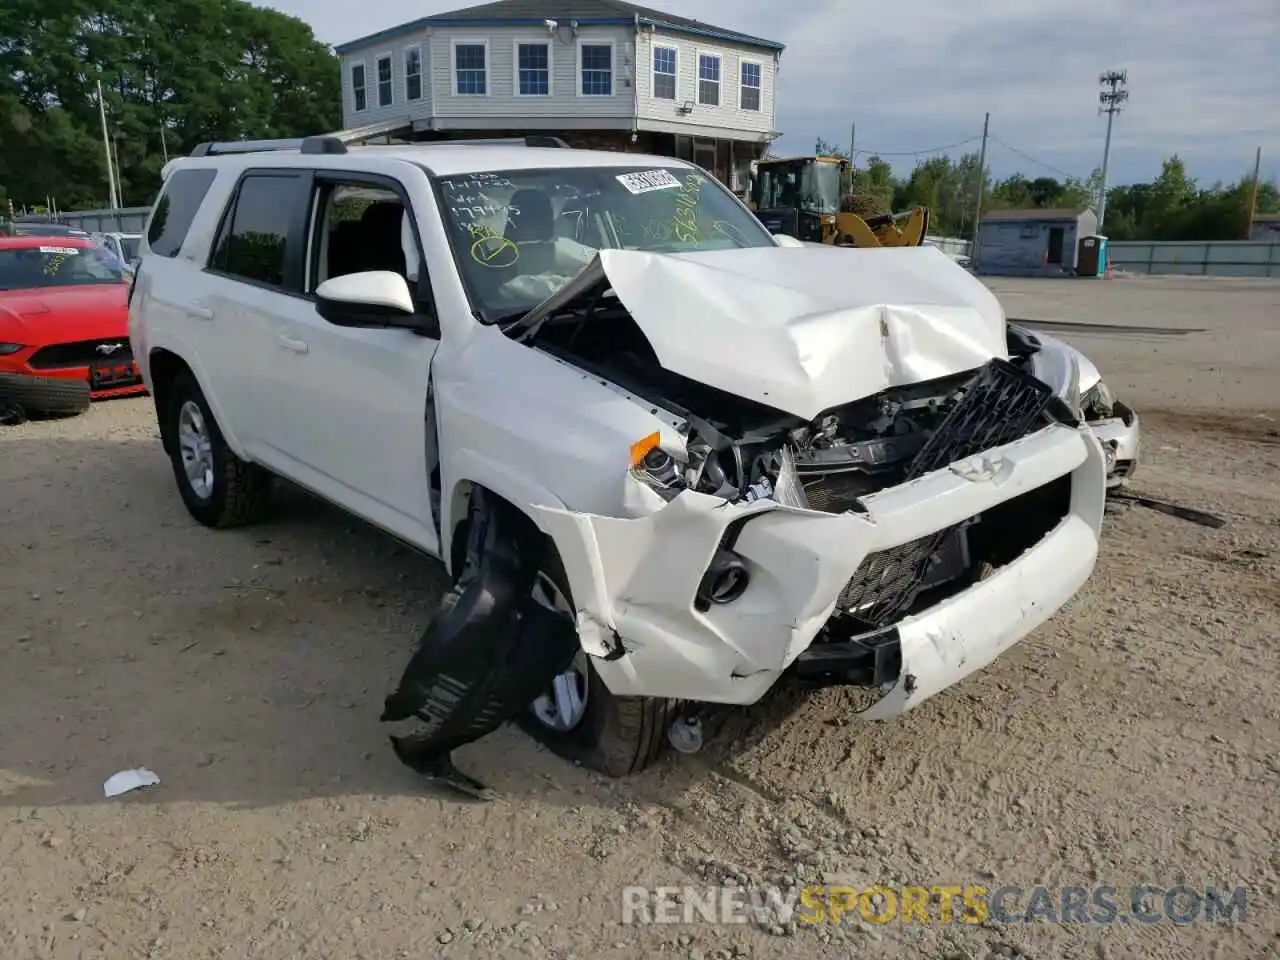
[
  {"x": 53, "y": 395},
  {"x": 617, "y": 736},
  {"x": 240, "y": 493}
]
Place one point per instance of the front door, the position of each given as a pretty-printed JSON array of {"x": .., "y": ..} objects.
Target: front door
[
  {"x": 1056, "y": 235},
  {"x": 350, "y": 404},
  {"x": 704, "y": 154}
]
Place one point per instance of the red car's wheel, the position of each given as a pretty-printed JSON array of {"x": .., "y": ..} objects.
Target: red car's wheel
[{"x": 52, "y": 395}]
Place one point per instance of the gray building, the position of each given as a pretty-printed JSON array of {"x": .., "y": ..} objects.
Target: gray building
[
  {"x": 598, "y": 73},
  {"x": 1032, "y": 243},
  {"x": 1266, "y": 227}
]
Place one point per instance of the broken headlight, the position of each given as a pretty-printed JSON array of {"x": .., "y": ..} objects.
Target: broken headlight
[
  {"x": 1097, "y": 403},
  {"x": 656, "y": 468}
]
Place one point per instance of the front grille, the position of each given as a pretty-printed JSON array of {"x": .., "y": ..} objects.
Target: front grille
[
  {"x": 999, "y": 405},
  {"x": 81, "y": 353}
]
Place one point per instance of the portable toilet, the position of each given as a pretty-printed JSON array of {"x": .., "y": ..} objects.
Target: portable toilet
[{"x": 1091, "y": 256}]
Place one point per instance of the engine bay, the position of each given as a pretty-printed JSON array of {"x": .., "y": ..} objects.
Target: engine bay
[{"x": 739, "y": 449}]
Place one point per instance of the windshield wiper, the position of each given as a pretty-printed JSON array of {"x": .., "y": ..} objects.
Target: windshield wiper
[{"x": 511, "y": 316}]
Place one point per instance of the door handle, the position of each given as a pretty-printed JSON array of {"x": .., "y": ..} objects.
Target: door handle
[
  {"x": 289, "y": 343},
  {"x": 200, "y": 313}
]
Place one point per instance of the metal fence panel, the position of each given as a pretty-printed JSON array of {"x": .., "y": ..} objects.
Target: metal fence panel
[{"x": 1219, "y": 258}]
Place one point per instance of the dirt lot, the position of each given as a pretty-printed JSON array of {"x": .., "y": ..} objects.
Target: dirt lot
[{"x": 1133, "y": 739}]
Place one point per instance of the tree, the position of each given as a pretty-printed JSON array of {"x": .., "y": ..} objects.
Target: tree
[{"x": 181, "y": 70}]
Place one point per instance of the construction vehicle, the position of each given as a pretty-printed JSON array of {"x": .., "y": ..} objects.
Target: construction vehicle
[{"x": 800, "y": 197}]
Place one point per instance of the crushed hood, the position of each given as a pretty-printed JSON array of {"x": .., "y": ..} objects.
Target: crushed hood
[{"x": 801, "y": 330}]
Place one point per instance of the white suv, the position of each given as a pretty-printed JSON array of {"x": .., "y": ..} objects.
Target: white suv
[{"x": 667, "y": 456}]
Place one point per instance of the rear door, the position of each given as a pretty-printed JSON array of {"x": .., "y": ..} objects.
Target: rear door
[{"x": 256, "y": 273}]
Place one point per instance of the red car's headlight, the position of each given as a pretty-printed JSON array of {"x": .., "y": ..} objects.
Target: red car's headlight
[{"x": 8, "y": 348}]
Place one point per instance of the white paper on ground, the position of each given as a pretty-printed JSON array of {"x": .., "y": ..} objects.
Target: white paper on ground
[{"x": 127, "y": 780}]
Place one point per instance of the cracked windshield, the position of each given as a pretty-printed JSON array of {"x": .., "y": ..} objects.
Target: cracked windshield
[{"x": 521, "y": 235}]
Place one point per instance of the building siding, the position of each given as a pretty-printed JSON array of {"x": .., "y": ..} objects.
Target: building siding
[
  {"x": 503, "y": 99},
  {"x": 400, "y": 106},
  {"x": 728, "y": 114}
]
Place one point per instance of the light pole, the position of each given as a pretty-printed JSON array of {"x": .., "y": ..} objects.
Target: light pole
[{"x": 1110, "y": 99}]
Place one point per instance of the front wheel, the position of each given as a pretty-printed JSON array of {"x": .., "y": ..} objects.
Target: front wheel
[
  {"x": 579, "y": 719},
  {"x": 218, "y": 488}
]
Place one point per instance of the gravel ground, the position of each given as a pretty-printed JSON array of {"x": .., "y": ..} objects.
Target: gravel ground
[{"x": 1132, "y": 739}]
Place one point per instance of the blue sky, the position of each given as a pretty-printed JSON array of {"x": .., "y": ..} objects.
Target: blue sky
[{"x": 1204, "y": 75}]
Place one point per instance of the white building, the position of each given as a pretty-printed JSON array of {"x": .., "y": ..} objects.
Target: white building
[{"x": 597, "y": 73}]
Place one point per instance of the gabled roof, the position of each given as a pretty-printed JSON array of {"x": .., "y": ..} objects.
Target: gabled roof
[
  {"x": 516, "y": 13},
  {"x": 1061, "y": 213}
]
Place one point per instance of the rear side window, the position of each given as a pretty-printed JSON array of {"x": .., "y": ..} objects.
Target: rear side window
[
  {"x": 183, "y": 193},
  {"x": 253, "y": 242}
]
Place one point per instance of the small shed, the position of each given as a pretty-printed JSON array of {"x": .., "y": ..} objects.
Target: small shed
[
  {"x": 1266, "y": 228},
  {"x": 1032, "y": 243}
]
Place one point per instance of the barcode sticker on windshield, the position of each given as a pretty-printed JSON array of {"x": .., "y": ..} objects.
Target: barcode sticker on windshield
[
  {"x": 71, "y": 251},
  {"x": 649, "y": 180}
]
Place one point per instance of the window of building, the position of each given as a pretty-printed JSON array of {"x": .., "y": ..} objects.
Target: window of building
[
  {"x": 665, "y": 60},
  {"x": 533, "y": 69},
  {"x": 749, "y": 90},
  {"x": 254, "y": 236},
  {"x": 471, "y": 69},
  {"x": 595, "y": 61},
  {"x": 709, "y": 79},
  {"x": 413, "y": 74},
  {"x": 385, "y": 95},
  {"x": 359, "y": 97}
]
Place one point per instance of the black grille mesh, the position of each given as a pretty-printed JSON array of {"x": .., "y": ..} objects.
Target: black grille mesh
[
  {"x": 999, "y": 405},
  {"x": 80, "y": 353}
]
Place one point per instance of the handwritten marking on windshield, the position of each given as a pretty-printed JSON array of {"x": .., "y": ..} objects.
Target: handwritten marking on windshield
[
  {"x": 684, "y": 221},
  {"x": 490, "y": 248}
]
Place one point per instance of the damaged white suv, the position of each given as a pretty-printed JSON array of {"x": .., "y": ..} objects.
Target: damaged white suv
[{"x": 666, "y": 458}]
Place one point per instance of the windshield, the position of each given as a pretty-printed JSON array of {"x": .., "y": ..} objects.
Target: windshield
[
  {"x": 808, "y": 185},
  {"x": 520, "y": 235},
  {"x": 55, "y": 265},
  {"x": 820, "y": 188}
]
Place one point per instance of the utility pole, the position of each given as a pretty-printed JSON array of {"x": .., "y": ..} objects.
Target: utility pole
[
  {"x": 982, "y": 182},
  {"x": 1253, "y": 201},
  {"x": 115, "y": 154},
  {"x": 106, "y": 145},
  {"x": 853, "y": 138},
  {"x": 164, "y": 146},
  {"x": 1109, "y": 102}
]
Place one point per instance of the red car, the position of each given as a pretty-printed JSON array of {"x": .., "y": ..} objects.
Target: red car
[{"x": 64, "y": 314}]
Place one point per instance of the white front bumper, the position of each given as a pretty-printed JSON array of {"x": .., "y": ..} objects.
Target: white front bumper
[
  {"x": 1122, "y": 440},
  {"x": 633, "y": 581}
]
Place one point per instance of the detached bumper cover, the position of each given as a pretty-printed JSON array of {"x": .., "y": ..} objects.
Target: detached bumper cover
[
  {"x": 1120, "y": 438},
  {"x": 633, "y": 581}
]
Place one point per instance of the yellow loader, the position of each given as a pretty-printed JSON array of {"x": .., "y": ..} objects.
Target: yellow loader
[{"x": 800, "y": 197}]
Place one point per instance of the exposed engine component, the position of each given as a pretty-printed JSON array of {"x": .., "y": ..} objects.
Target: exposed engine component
[{"x": 741, "y": 450}]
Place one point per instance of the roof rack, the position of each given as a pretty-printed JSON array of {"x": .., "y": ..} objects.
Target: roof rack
[
  {"x": 321, "y": 144},
  {"x": 331, "y": 143}
]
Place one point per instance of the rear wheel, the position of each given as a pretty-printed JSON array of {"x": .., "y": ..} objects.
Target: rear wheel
[
  {"x": 579, "y": 719},
  {"x": 218, "y": 488}
]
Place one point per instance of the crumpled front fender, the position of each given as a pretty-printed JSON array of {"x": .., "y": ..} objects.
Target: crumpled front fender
[{"x": 637, "y": 578}]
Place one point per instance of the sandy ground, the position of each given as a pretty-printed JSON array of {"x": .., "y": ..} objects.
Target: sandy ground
[{"x": 1133, "y": 739}]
